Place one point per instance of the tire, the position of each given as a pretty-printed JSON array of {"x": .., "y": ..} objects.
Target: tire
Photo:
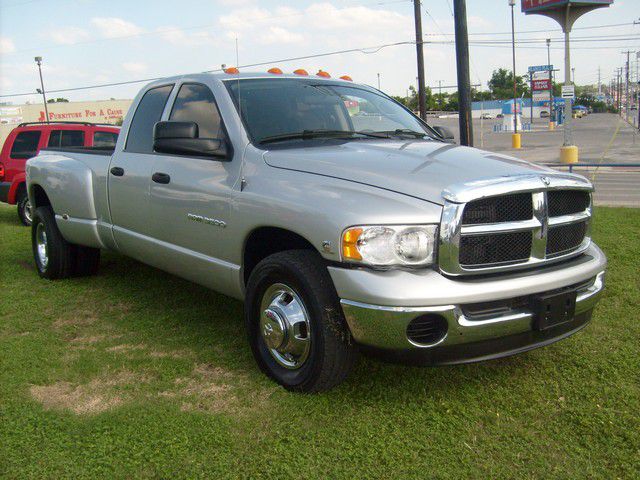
[
  {"x": 319, "y": 352},
  {"x": 24, "y": 208},
  {"x": 54, "y": 256}
]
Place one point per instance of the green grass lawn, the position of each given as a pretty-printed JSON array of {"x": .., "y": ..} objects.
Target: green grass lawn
[{"x": 135, "y": 373}]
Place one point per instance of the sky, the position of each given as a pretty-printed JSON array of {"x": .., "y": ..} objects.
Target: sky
[{"x": 89, "y": 42}]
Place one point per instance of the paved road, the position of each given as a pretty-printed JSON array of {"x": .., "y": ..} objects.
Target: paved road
[
  {"x": 617, "y": 188},
  {"x": 601, "y": 138}
]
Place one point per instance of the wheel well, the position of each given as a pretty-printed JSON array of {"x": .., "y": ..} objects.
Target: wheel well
[
  {"x": 39, "y": 197},
  {"x": 266, "y": 241}
]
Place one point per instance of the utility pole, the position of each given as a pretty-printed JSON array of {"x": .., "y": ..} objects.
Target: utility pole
[
  {"x": 422, "y": 94},
  {"x": 599, "y": 82},
  {"x": 464, "y": 79},
  {"x": 626, "y": 107},
  {"x": 551, "y": 117},
  {"x": 38, "y": 60},
  {"x": 515, "y": 137},
  {"x": 619, "y": 91},
  {"x": 378, "y": 81}
]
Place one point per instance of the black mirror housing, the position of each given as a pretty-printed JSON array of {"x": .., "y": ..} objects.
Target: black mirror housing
[
  {"x": 181, "y": 138},
  {"x": 444, "y": 132}
]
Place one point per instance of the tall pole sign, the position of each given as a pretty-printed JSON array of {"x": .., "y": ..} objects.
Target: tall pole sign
[{"x": 565, "y": 12}]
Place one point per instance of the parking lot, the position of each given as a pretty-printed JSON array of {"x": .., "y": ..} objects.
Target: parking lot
[{"x": 601, "y": 139}]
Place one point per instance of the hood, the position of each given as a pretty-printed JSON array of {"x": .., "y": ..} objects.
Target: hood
[{"x": 421, "y": 169}]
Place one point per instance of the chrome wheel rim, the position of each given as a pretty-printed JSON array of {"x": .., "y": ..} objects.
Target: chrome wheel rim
[
  {"x": 284, "y": 326},
  {"x": 41, "y": 246},
  {"x": 27, "y": 211}
]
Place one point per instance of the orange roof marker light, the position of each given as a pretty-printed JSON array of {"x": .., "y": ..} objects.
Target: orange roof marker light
[
  {"x": 275, "y": 71},
  {"x": 347, "y": 78},
  {"x": 231, "y": 71},
  {"x": 301, "y": 71},
  {"x": 322, "y": 73}
]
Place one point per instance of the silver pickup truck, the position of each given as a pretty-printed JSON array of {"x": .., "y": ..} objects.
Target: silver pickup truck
[{"x": 344, "y": 222}]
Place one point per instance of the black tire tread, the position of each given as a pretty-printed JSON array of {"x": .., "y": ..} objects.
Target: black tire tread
[{"x": 61, "y": 253}]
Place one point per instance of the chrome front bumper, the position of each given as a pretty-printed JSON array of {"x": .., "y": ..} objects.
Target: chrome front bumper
[{"x": 385, "y": 326}]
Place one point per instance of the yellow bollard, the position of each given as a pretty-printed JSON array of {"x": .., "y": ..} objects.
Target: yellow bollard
[
  {"x": 569, "y": 154},
  {"x": 552, "y": 125},
  {"x": 516, "y": 141}
]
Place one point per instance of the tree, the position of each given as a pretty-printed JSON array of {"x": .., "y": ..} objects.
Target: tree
[
  {"x": 411, "y": 102},
  {"x": 501, "y": 84},
  {"x": 57, "y": 100}
]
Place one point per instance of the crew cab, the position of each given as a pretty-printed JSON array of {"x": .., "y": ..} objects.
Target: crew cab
[
  {"x": 27, "y": 139},
  {"x": 344, "y": 222}
]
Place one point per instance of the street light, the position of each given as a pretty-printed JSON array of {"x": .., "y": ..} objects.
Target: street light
[
  {"x": 515, "y": 138},
  {"x": 38, "y": 60}
]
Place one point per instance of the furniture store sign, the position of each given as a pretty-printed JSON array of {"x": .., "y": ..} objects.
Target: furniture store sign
[{"x": 86, "y": 114}]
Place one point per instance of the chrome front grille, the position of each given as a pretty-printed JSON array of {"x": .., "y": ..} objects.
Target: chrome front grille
[{"x": 547, "y": 222}]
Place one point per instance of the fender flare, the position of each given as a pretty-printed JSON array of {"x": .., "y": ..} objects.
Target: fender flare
[{"x": 18, "y": 180}]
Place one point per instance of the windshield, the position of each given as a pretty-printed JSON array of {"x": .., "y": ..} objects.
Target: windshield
[{"x": 292, "y": 109}]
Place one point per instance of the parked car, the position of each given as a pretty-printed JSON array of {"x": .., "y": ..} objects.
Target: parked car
[
  {"x": 342, "y": 233},
  {"x": 27, "y": 139},
  {"x": 544, "y": 114},
  {"x": 487, "y": 116}
]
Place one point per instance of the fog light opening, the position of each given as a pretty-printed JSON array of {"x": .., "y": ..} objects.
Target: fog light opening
[{"x": 427, "y": 330}]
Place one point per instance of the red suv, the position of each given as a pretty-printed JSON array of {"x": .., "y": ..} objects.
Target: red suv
[{"x": 27, "y": 139}]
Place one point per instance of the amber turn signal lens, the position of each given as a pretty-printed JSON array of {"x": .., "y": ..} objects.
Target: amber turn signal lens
[
  {"x": 275, "y": 71},
  {"x": 350, "y": 244},
  {"x": 231, "y": 71},
  {"x": 347, "y": 78},
  {"x": 301, "y": 71},
  {"x": 322, "y": 73}
]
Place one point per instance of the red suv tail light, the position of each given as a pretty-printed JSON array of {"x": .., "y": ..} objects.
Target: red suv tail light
[{"x": 1, "y": 172}]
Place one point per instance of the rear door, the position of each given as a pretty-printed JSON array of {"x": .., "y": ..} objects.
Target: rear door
[
  {"x": 191, "y": 210},
  {"x": 130, "y": 175}
]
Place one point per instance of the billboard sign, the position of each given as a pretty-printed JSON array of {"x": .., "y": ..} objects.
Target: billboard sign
[
  {"x": 531, "y": 6},
  {"x": 540, "y": 68},
  {"x": 541, "y": 96},
  {"x": 540, "y": 75},
  {"x": 568, "y": 91},
  {"x": 541, "y": 84}
]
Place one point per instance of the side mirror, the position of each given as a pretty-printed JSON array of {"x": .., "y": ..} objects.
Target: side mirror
[
  {"x": 181, "y": 138},
  {"x": 444, "y": 132}
]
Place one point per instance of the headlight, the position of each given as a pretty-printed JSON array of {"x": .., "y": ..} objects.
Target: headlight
[{"x": 381, "y": 245}]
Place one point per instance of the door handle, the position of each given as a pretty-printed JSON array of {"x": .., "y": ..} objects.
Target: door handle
[
  {"x": 117, "y": 171},
  {"x": 160, "y": 177}
]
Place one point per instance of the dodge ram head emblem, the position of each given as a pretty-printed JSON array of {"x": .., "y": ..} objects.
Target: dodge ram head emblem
[{"x": 545, "y": 180}]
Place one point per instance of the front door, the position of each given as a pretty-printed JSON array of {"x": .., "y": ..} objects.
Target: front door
[{"x": 190, "y": 196}]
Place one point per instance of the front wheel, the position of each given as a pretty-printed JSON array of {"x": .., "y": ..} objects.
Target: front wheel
[
  {"x": 24, "y": 208},
  {"x": 297, "y": 330}
]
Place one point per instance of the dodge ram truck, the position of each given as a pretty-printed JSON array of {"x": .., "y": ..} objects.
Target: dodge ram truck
[{"x": 344, "y": 222}]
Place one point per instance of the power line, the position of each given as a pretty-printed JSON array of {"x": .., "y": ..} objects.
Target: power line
[
  {"x": 365, "y": 50},
  {"x": 545, "y": 30}
]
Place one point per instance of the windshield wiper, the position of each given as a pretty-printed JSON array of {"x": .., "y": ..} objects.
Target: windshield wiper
[
  {"x": 405, "y": 131},
  {"x": 309, "y": 134}
]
